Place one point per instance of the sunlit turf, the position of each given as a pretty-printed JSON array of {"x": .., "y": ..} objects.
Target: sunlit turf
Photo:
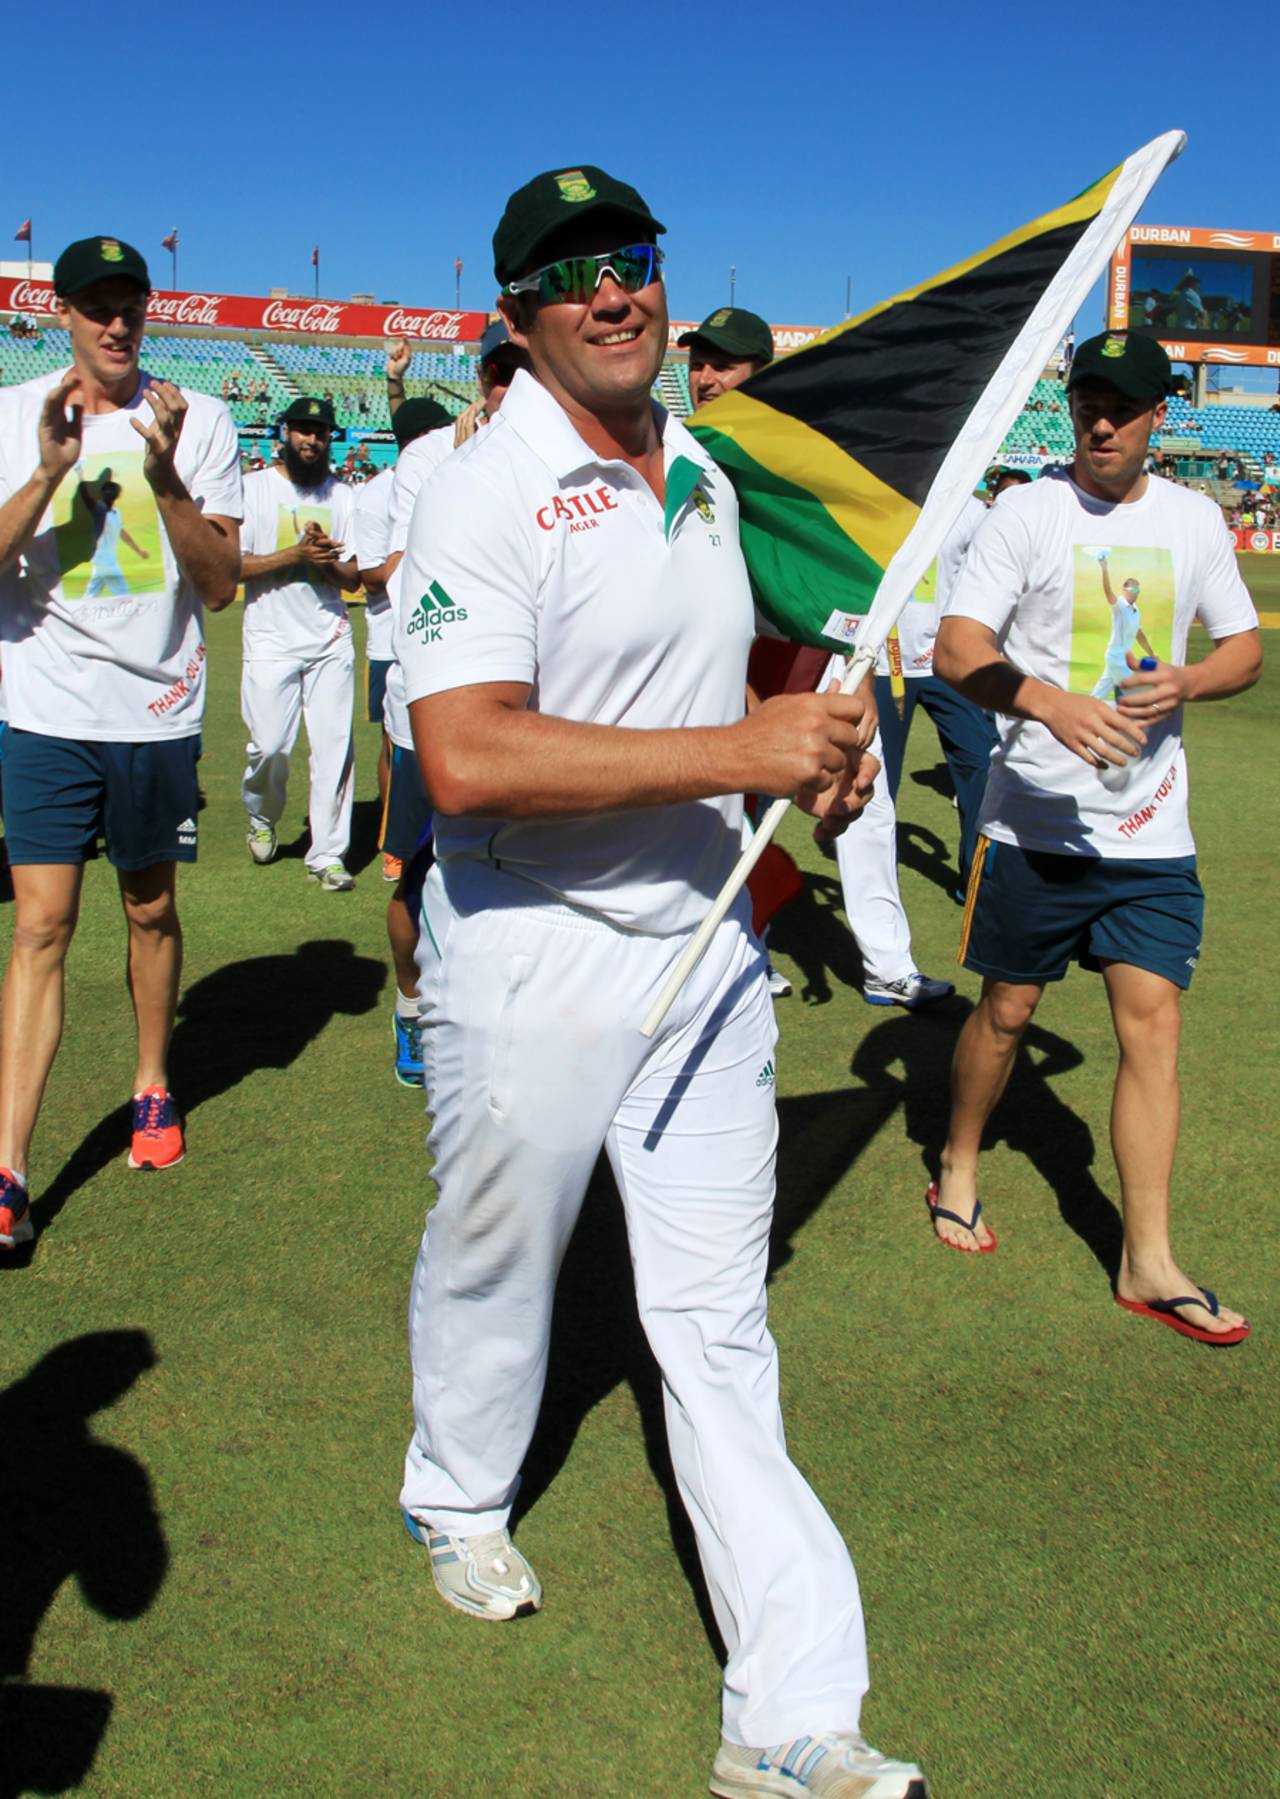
[{"x": 1062, "y": 1516}]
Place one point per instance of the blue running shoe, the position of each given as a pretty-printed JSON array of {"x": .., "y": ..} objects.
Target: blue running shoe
[{"x": 408, "y": 1035}]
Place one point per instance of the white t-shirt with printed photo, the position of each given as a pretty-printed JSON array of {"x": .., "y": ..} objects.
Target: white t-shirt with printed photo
[
  {"x": 294, "y": 615},
  {"x": 373, "y": 546},
  {"x": 532, "y": 559},
  {"x": 102, "y": 634},
  {"x": 1046, "y": 571}
]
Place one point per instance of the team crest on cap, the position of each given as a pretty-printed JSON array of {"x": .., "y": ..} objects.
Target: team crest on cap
[
  {"x": 1114, "y": 346},
  {"x": 574, "y": 186},
  {"x": 111, "y": 251},
  {"x": 719, "y": 318},
  {"x": 314, "y": 409},
  {"x": 703, "y": 505}
]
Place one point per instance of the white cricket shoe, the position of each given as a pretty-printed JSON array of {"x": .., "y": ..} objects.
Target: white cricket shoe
[
  {"x": 486, "y": 1575},
  {"x": 261, "y": 840},
  {"x": 912, "y": 991},
  {"x": 333, "y": 879},
  {"x": 836, "y": 1765},
  {"x": 779, "y": 985}
]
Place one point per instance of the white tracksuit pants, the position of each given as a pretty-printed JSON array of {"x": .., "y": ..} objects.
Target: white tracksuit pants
[
  {"x": 534, "y": 1061},
  {"x": 867, "y": 855},
  {"x": 275, "y": 696}
]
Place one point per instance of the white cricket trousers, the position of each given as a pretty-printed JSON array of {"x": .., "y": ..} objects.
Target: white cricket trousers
[
  {"x": 867, "y": 856},
  {"x": 534, "y": 1061},
  {"x": 275, "y": 696}
]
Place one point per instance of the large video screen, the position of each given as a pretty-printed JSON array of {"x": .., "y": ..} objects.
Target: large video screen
[{"x": 1194, "y": 295}]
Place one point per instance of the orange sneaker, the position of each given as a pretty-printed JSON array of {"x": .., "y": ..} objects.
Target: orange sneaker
[
  {"x": 157, "y": 1130},
  {"x": 392, "y": 868},
  {"x": 15, "y": 1214}
]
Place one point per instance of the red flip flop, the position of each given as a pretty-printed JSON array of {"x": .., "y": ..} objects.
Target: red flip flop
[
  {"x": 1165, "y": 1311},
  {"x": 968, "y": 1224}
]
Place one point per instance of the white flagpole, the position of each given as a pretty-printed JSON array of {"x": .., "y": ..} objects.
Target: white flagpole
[{"x": 980, "y": 436}]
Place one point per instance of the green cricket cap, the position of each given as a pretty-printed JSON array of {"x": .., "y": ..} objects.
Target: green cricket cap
[
  {"x": 307, "y": 410},
  {"x": 550, "y": 202},
  {"x": 1138, "y": 365},
  {"x": 92, "y": 259},
  {"x": 733, "y": 330},
  {"x": 412, "y": 417}
]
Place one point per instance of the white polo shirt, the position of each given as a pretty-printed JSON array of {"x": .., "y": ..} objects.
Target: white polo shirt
[
  {"x": 373, "y": 546},
  {"x": 532, "y": 559},
  {"x": 418, "y": 462}
]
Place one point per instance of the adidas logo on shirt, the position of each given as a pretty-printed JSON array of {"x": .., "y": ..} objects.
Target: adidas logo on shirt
[
  {"x": 767, "y": 1075},
  {"x": 187, "y": 833},
  {"x": 435, "y": 610}
]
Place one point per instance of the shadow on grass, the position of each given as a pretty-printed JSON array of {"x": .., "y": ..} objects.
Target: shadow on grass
[
  {"x": 597, "y": 1341},
  {"x": 73, "y": 1509},
  {"x": 244, "y": 1017},
  {"x": 907, "y": 1061},
  {"x": 811, "y": 930},
  {"x": 366, "y": 821},
  {"x": 923, "y": 851}
]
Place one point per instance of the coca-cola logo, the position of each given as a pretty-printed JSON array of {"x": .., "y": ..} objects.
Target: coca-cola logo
[
  {"x": 185, "y": 309},
  {"x": 446, "y": 326},
  {"x": 318, "y": 315},
  {"x": 25, "y": 296}
]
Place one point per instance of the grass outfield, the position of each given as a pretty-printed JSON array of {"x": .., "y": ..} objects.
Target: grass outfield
[
  {"x": 1262, "y": 574},
  {"x": 1061, "y": 1515}
]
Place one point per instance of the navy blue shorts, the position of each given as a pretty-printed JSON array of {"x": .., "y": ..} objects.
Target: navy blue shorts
[
  {"x": 407, "y": 818},
  {"x": 1030, "y": 914},
  {"x": 375, "y": 689},
  {"x": 61, "y": 795}
]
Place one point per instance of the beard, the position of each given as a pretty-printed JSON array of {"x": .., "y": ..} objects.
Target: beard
[{"x": 302, "y": 473}]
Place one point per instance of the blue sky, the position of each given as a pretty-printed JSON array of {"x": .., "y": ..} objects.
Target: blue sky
[{"x": 805, "y": 144}]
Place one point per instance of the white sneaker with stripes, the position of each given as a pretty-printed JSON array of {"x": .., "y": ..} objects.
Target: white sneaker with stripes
[
  {"x": 836, "y": 1765},
  {"x": 484, "y": 1575}
]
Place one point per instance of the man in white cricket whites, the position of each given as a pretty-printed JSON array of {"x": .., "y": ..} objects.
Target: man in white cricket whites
[
  {"x": 1085, "y": 851},
  {"x": 298, "y": 546},
  {"x": 104, "y": 678},
  {"x": 575, "y": 619}
]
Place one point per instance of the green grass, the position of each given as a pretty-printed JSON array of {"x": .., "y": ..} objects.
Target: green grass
[
  {"x": 1063, "y": 1518},
  {"x": 1262, "y": 575}
]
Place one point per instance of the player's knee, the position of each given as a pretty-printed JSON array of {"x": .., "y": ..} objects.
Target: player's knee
[
  {"x": 152, "y": 913},
  {"x": 1010, "y": 1009},
  {"x": 39, "y": 931}
]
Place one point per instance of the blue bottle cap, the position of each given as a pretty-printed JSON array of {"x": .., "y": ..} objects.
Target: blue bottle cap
[{"x": 1148, "y": 664}]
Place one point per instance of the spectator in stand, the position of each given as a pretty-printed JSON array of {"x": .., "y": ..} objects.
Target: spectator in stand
[{"x": 362, "y": 403}]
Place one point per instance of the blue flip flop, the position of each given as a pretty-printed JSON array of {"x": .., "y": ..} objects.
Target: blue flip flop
[{"x": 968, "y": 1224}]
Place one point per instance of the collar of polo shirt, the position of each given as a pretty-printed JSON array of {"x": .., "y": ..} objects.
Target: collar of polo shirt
[{"x": 544, "y": 425}]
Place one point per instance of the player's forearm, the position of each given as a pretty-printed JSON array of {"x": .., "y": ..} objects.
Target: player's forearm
[
  {"x": 344, "y": 575},
  {"x": 372, "y": 579},
  {"x": 967, "y": 658},
  {"x": 274, "y": 564},
  {"x": 21, "y": 514},
  {"x": 510, "y": 763},
  {"x": 207, "y": 553},
  {"x": 1232, "y": 666}
]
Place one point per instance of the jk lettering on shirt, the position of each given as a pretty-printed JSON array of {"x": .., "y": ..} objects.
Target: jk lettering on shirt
[{"x": 531, "y": 559}]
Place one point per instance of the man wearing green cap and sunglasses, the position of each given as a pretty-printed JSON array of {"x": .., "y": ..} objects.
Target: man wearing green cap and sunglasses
[{"x": 575, "y": 617}]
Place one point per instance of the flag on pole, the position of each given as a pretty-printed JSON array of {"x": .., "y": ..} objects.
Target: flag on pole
[
  {"x": 315, "y": 257},
  {"x": 23, "y": 234},
  {"x": 853, "y": 456},
  {"x": 457, "y": 265},
  {"x": 171, "y": 242}
]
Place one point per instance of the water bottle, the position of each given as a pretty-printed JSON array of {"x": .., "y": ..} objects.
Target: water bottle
[{"x": 1114, "y": 778}]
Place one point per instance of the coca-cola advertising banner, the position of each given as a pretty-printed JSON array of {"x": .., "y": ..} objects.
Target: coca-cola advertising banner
[
  {"x": 309, "y": 318},
  {"x": 1257, "y": 542}
]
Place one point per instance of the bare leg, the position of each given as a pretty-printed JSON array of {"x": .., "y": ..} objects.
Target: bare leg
[
  {"x": 980, "y": 1071},
  {"x": 154, "y": 966},
  {"x": 402, "y": 935},
  {"x": 1146, "y": 1012},
  {"x": 46, "y": 900}
]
